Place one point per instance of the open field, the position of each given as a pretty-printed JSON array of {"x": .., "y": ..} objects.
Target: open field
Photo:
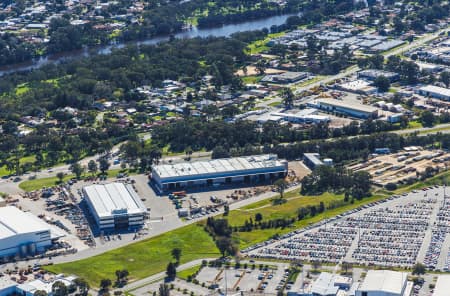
[
  {"x": 36, "y": 184},
  {"x": 143, "y": 258}
]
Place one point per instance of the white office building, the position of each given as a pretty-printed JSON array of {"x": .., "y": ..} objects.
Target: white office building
[
  {"x": 23, "y": 234},
  {"x": 115, "y": 206}
]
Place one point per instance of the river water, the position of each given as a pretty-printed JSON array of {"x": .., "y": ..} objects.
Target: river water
[{"x": 223, "y": 31}]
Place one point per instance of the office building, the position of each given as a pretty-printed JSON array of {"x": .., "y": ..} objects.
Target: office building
[{"x": 115, "y": 206}]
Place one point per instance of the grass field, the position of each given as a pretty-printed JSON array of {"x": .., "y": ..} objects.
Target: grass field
[
  {"x": 143, "y": 258},
  {"x": 289, "y": 209},
  {"x": 187, "y": 272},
  {"x": 36, "y": 184},
  {"x": 261, "y": 45}
]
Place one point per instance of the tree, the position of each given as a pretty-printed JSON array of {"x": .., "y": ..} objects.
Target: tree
[
  {"x": 121, "y": 277},
  {"x": 164, "y": 290},
  {"x": 92, "y": 167},
  {"x": 83, "y": 286},
  {"x": 258, "y": 217},
  {"x": 103, "y": 164},
  {"x": 176, "y": 254},
  {"x": 288, "y": 97},
  {"x": 59, "y": 289},
  {"x": 382, "y": 83},
  {"x": 427, "y": 118},
  {"x": 171, "y": 271},
  {"x": 445, "y": 78},
  {"x": 60, "y": 176},
  {"x": 105, "y": 284},
  {"x": 77, "y": 169},
  {"x": 225, "y": 245},
  {"x": 419, "y": 269},
  {"x": 40, "y": 293},
  {"x": 260, "y": 67},
  {"x": 280, "y": 184}
]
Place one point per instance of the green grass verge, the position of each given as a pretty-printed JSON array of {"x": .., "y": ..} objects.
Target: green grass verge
[
  {"x": 144, "y": 258},
  {"x": 36, "y": 184},
  {"x": 184, "y": 274}
]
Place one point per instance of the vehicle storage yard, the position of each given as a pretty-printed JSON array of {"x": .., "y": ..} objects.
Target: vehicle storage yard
[
  {"x": 395, "y": 233},
  {"x": 401, "y": 166}
]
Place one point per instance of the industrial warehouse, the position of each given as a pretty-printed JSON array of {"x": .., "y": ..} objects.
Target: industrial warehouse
[
  {"x": 23, "y": 234},
  {"x": 219, "y": 171},
  {"x": 115, "y": 206}
]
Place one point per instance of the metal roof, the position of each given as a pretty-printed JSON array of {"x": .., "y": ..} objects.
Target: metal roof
[
  {"x": 385, "y": 281},
  {"x": 223, "y": 165},
  {"x": 324, "y": 285},
  {"x": 436, "y": 89},
  {"x": 14, "y": 222},
  {"x": 442, "y": 287},
  {"x": 108, "y": 199},
  {"x": 342, "y": 104}
]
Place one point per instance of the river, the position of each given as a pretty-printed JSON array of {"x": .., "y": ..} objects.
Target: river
[{"x": 223, "y": 31}]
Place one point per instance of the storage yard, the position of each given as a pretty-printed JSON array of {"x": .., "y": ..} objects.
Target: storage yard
[
  {"x": 404, "y": 166},
  {"x": 394, "y": 233}
]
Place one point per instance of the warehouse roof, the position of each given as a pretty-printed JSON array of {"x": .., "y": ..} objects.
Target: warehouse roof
[
  {"x": 384, "y": 280},
  {"x": 113, "y": 198},
  {"x": 436, "y": 89},
  {"x": 324, "y": 285},
  {"x": 347, "y": 105},
  {"x": 442, "y": 286},
  {"x": 218, "y": 166},
  {"x": 13, "y": 222}
]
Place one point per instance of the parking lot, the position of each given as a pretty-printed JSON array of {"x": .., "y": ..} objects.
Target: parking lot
[{"x": 394, "y": 233}]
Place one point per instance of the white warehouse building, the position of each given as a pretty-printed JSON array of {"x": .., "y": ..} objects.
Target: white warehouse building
[
  {"x": 23, "y": 234},
  {"x": 245, "y": 169},
  {"x": 385, "y": 283},
  {"x": 115, "y": 206}
]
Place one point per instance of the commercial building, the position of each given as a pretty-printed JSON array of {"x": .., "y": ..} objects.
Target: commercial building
[
  {"x": 286, "y": 77},
  {"x": 115, "y": 206},
  {"x": 327, "y": 284},
  {"x": 358, "y": 86},
  {"x": 312, "y": 160},
  {"x": 385, "y": 283},
  {"x": 435, "y": 92},
  {"x": 442, "y": 287},
  {"x": 308, "y": 115},
  {"x": 23, "y": 234},
  {"x": 351, "y": 109},
  {"x": 218, "y": 171},
  {"x": 372, "y": 74},
  {"x": 28, "y": 289}
]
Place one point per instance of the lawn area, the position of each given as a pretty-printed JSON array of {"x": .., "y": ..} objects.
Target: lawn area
[
  {"x": 187, "y": 272},
  {"x": 259, "y": 46},
  {"x": 143, "y": 258},
  {"x": 251, "y": 79},
  {"x": 36, "y": 184},
  {"x": 414, "y": 124},
  {"x": 289, "y": 209},
  {"x": 31, "y": 185}
]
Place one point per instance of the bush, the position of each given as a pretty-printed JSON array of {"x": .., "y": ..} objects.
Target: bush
[{"x": 390, "y": 186}]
